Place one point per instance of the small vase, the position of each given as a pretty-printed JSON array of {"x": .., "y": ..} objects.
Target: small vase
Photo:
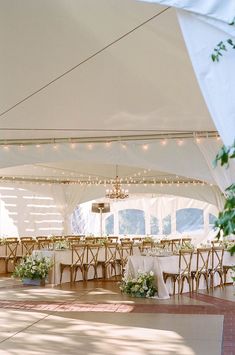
[{"x": 34, "y": 282}]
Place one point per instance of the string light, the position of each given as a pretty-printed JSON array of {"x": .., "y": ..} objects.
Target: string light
[
  {"x": 90, "y": 146},
  {"x": 164, "y": 141},
  {"x": 145, "y": 147},
  {"x": 108, "y": 144},
  {"x": 180, "y": 142},
  {"x": 73, "y": 145}
]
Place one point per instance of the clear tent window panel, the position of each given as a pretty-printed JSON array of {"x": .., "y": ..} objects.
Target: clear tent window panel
[
  {"x": 212, "y": 219},
  {"x": 189, "y": 220},
  {"x": 109, "y": 224},
  {"x": 154, "y": 225},
  {"x": 131, "y": 221},
  {"x": 166, "y": 225}
]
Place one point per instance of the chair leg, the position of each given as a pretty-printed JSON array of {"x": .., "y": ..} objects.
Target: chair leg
[
  {"x": 212, "y": 281},
  {"x": 61, "y": 273}
]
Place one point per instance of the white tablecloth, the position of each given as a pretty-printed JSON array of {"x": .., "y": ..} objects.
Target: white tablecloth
[{"x": 158, "y": 264}]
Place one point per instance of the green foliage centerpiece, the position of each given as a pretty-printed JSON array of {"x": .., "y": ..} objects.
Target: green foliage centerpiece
[{"x": 141, "y": 286}]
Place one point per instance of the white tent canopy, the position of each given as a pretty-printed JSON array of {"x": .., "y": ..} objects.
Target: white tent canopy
[{"x": 115, "y": 78}]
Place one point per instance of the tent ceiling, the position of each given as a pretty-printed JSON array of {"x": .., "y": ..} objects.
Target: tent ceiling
[
  {"x": 143, "y": 82},
  {"x": 97, "y": 69}
]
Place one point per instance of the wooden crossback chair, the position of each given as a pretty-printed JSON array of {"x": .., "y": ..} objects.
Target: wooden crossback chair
[
  {"x": 43, "y": 242},
  {"x": 175, "y": 244},
  {"x": 202, "y": 268},
  {"x": 11, "y": 253},
  {"x": 92, "y": 259},
  {"x": 183, "y": 273},
  {"x": 72, "y": 240},
  {"x": 28, "y": 245},
  {"x": 217, "y": 265},
  {"x": 78, "y": 257},
  {"x": 185, "y": 241},
  {"x": 166, "y": 244},
  {"x": 226, "y": 269},
  {"x": 110, "y": 262},
  {"x": 90, "y": 240},
  {"x": 124, "y": 250}
]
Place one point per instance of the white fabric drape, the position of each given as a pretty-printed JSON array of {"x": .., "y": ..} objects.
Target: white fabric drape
[
  {"x": 216, "y": 80},
  {"x": 223, "y": 176},
  {"x": 67, "y": 197},
  {"x": 221, "y": 10},
  {"x": 204, "y": 24}
]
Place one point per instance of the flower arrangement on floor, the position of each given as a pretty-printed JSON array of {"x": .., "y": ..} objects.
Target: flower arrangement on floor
[
  {"x": 141, "y": 286},
  {"x": 33, "y": 268}
]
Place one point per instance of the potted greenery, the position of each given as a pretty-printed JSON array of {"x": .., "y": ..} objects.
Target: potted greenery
[
  {"x": 33, "y": 270},
  {"x": 141, "y": 286}
]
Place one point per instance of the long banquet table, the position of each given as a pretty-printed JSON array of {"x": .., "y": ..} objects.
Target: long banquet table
[{"x": 160, "y": 264}]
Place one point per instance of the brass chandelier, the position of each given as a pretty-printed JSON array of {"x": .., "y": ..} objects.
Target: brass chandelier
[{"x": 117, "y": 192}]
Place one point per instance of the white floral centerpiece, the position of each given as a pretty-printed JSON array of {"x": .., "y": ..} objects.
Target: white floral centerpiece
[
  {"x": 61, "y": 245},
  {"x": 33, "y": 268},
  {"x": 141, "y": 286}
]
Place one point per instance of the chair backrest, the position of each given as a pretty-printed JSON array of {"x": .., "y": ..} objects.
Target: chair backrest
[
  {"x": 90, "y": 240},
  {"x": 203, "y": 260},
  {"x": 113, "y": 239},
  {"x": 185, "y": 241},
  {"x": 111, "y": 250},
  {"x": 72, "y": 240},
  {"x": 28, "y": 246},
  {"x": 175, "y": 244},
  {"x": 11, "y": 248},
  {"x": 217, "y": 258},
  {"x": 56, "y": 238},
  {"x": 166, "y": 244},
  {"x": 185, "y": 261},
  {"x": 43, "y": 237},
  {"x": 93, "y": 253},
  {"x": 23, "y": 239},
  {"x": 217, "y": 243},
  {"x": 43, "y": 242},
  {"x": 78, "y": 254},
  {"x": 125, "y": 250}
]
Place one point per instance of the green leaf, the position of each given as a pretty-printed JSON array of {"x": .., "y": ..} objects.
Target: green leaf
[{"x": 232, "y": 250}]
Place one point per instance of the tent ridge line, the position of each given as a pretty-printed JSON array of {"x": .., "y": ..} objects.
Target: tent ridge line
[{"x": 113, "y": 138}]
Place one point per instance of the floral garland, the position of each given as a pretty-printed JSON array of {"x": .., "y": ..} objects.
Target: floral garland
[{"x": 141, "y": 286}]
